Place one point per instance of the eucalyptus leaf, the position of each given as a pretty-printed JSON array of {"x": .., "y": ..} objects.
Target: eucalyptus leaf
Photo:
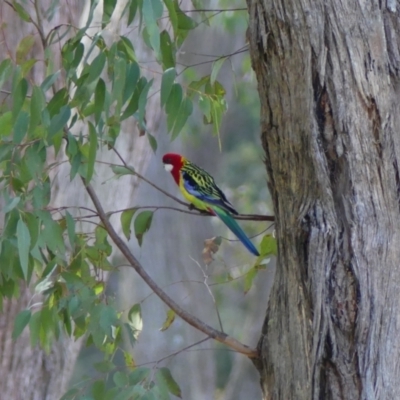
[
  {"x": 21, "y": 321},
  {"x": 24, "y": 242},
  {"x": 142, "y": 224},
  {"x": 24, "y": 47},
  {"x": 167, "y": 81},
  {"x": 126, "y": 220}
]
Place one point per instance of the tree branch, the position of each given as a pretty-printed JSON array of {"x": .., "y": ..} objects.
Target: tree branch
[
  {"x": 242, "y": 217},
  {"x": 189, "y": 318}
]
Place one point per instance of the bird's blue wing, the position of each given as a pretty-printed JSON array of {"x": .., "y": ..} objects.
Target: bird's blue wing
[{"x": 204, "y": 188}]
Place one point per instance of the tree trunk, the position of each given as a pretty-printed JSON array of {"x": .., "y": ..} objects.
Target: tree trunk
[{"x": 328, "y": 75}]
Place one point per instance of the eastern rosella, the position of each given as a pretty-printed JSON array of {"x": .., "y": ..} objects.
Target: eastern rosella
[{"x": 200, "y": 189}]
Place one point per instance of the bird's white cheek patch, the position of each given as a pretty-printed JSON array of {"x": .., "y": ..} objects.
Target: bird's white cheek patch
[{"x": 168, "y": 167}]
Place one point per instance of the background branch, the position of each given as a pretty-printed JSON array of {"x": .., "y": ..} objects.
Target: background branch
[{"x": 189, "y": 318}]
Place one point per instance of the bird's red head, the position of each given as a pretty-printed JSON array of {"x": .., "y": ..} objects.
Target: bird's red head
[{"x": 173, "y": 163}]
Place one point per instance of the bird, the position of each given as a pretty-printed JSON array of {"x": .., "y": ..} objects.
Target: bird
[{"x": 199, "y": 188}]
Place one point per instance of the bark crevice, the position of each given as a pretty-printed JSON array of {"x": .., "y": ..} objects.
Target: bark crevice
[{"x": 328, "y": 78}]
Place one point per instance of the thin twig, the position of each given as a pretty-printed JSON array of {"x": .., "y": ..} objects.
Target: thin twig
[
  {"x": 181, "y": 350},
  {"x": 189, "y": 318},
  {"x": 39, "y": 25},
  {"x": 146, "y": 180},
  {"x": 205, "y": 276},
  {"x": 242, "y": 50}
]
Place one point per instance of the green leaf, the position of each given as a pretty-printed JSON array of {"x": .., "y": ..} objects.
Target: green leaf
[
  {"x": 173, "y": 18},
  {"x": 99, "y": 98},
  {"x": 33, "y": 224},
  {"x": 167, "y": 81},
  {"x": 5, "y": 71},
  {"x": 49, "y": 81},
  {"x": 24, "y": 242},
  {"x": 72, "y": 145},
  {"x": 185, "y": 24},
  {"x": 108, "y": 9},
  {"x": 75, "y": 164},
  {"x": 20, "y": 127},
  {"x": 121, "y": 379},
  {"x": 24, "y": 47},
  {"x": 34, "y": 327},
  {"x": 41, "y": 194},
  {"x": 131, "y": 392},
  {"x": 168, "y": 50},
  {"x": 11, "y": 204},
  {"x": 152, "y": 10},
  {"x": 168, "y": 321},
  {"x": 79, "y": 52},
  {"x": 142, "y": 224},
  {"x": 249, "y": 278},
  {"x": 152, "y": 141},
  {"x": 174, "y": 101},
  {"x": 104, "y": 366},
  {"x": 185, "y": 111},
  {"x": 51, "y": 235},
  {"x": 215, "y": 69},
  {"x": 126, "y": 220},
  {"x": 59, "y": 121},
  {"x": 58, "y": 100},
  {"x": 138, "y": 375},
  {"x": 21, "y": 321},
  {"x": 108, "y": 319},
  {"x": 36, "y": 107},
  {"x": 268, "y": 246},
  {"x": 133, "y": 104},
  {"x": 132, "y": 77},
  {"x": 21, "y": 12},
  {"x": 6, "y": 150},
  {"x": 71, "y": 394},
  {"x": 27, "y": 66},
  {"x": 125, "y": 46},
  {"x": 132, "y": 11},
  {"x": 6, "y": 123},
  {"x": 164, "y": 374},
  {"x": 119, "y": 78},
  {"x": 96, "y": 68},
  {"x": 92, "y": 151},
  {"x": 70, "y": 229},
  {"x": 143, "y": 102},
  {"x": 135, "y": 321},
  {"x": 98, "y": 390},
  {"x": 129, "y": 361},
  {"x": 205, "y": 107},
  {"x": 19, "y": 95},
  {"x": 121, "y": 170}
]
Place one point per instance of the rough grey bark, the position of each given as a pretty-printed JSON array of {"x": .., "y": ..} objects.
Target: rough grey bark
[{"x": 328, "y": 75}]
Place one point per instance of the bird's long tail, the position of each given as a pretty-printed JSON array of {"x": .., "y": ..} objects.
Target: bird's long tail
[{"x": 231, "y": 223}]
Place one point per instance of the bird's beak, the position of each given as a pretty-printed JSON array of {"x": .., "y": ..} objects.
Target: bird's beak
[{"x": 168, "y": 167}]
